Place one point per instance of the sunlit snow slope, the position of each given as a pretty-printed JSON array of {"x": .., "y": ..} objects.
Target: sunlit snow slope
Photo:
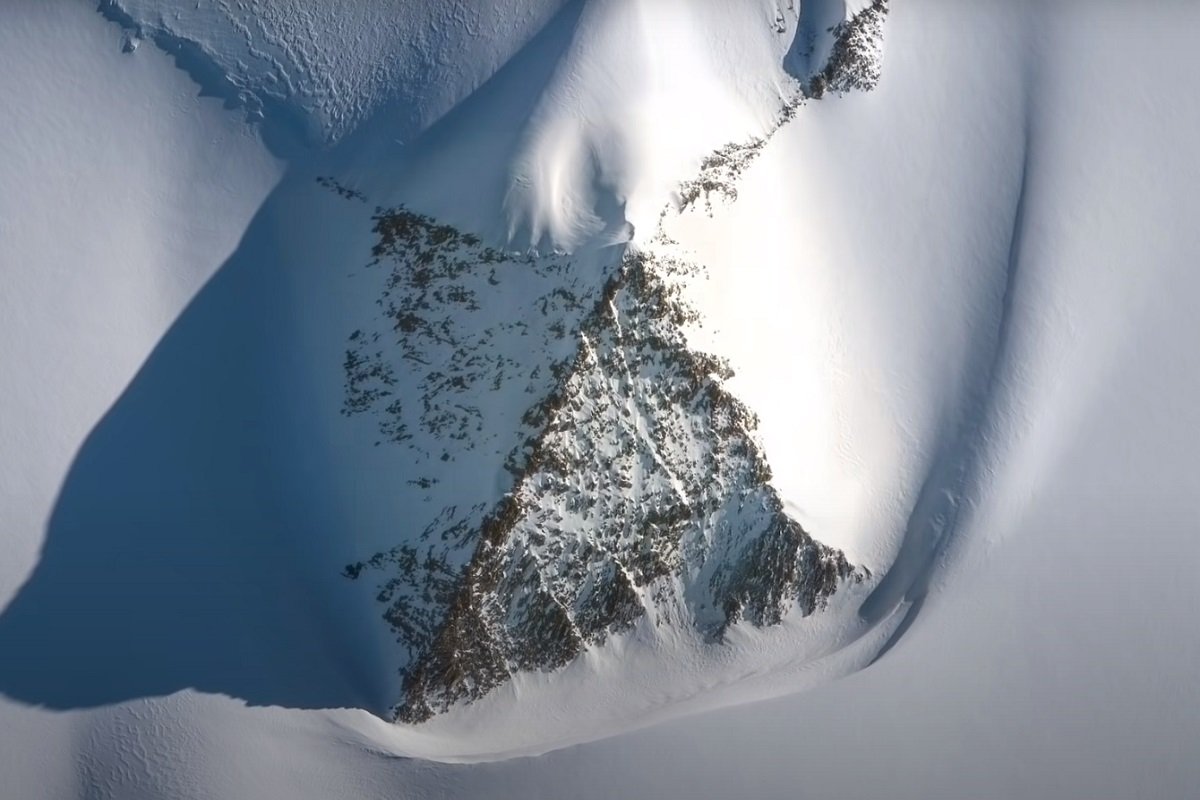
[{"x": 959, "y": 306}]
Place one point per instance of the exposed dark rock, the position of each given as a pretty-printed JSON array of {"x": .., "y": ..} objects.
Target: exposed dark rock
[
  {"x": 641, "y": 473},
  {"x": 639, "y": 485},
  {"x": 855, "y": 62}
]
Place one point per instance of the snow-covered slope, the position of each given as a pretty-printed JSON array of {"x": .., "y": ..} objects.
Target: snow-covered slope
[
  {"x": 123, "y": 193},
  {"x": 958, "y": 306},
  {"x": 313, "y": 72}
]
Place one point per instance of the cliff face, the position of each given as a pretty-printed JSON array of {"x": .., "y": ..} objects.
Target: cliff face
[{"x": 640, "y": 492}]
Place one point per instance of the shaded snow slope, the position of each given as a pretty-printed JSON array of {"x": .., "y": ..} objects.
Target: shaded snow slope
[{"x": 124, "y": 194}]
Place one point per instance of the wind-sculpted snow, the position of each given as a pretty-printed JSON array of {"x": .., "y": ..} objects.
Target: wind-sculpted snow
[{"x": 321, "y": 69}]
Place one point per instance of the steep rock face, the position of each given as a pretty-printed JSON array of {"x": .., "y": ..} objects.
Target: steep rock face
[
  {"x": 856, "y": 60},
  {"x": 464, "y": 340},
  {"x": 640, "y": 493},
  {"x": 640, "y": 496}
]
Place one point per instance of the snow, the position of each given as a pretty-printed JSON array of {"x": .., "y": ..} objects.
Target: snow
[
  {"x": 314, "y": 72},
  {"x": 979, "y": 276},
  {"x": 123, "y": 194},
  {"x": 126, "y": 194}
]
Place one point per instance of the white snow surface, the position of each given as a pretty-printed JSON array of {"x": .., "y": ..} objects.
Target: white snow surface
[
  {"x": 961, "y": 305},
  {"x": 327, "y": 67},
  {"x": 124, "y": 195}
]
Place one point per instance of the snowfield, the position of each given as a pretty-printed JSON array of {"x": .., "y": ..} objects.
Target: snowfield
[{"x": 959, "y": 304}]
